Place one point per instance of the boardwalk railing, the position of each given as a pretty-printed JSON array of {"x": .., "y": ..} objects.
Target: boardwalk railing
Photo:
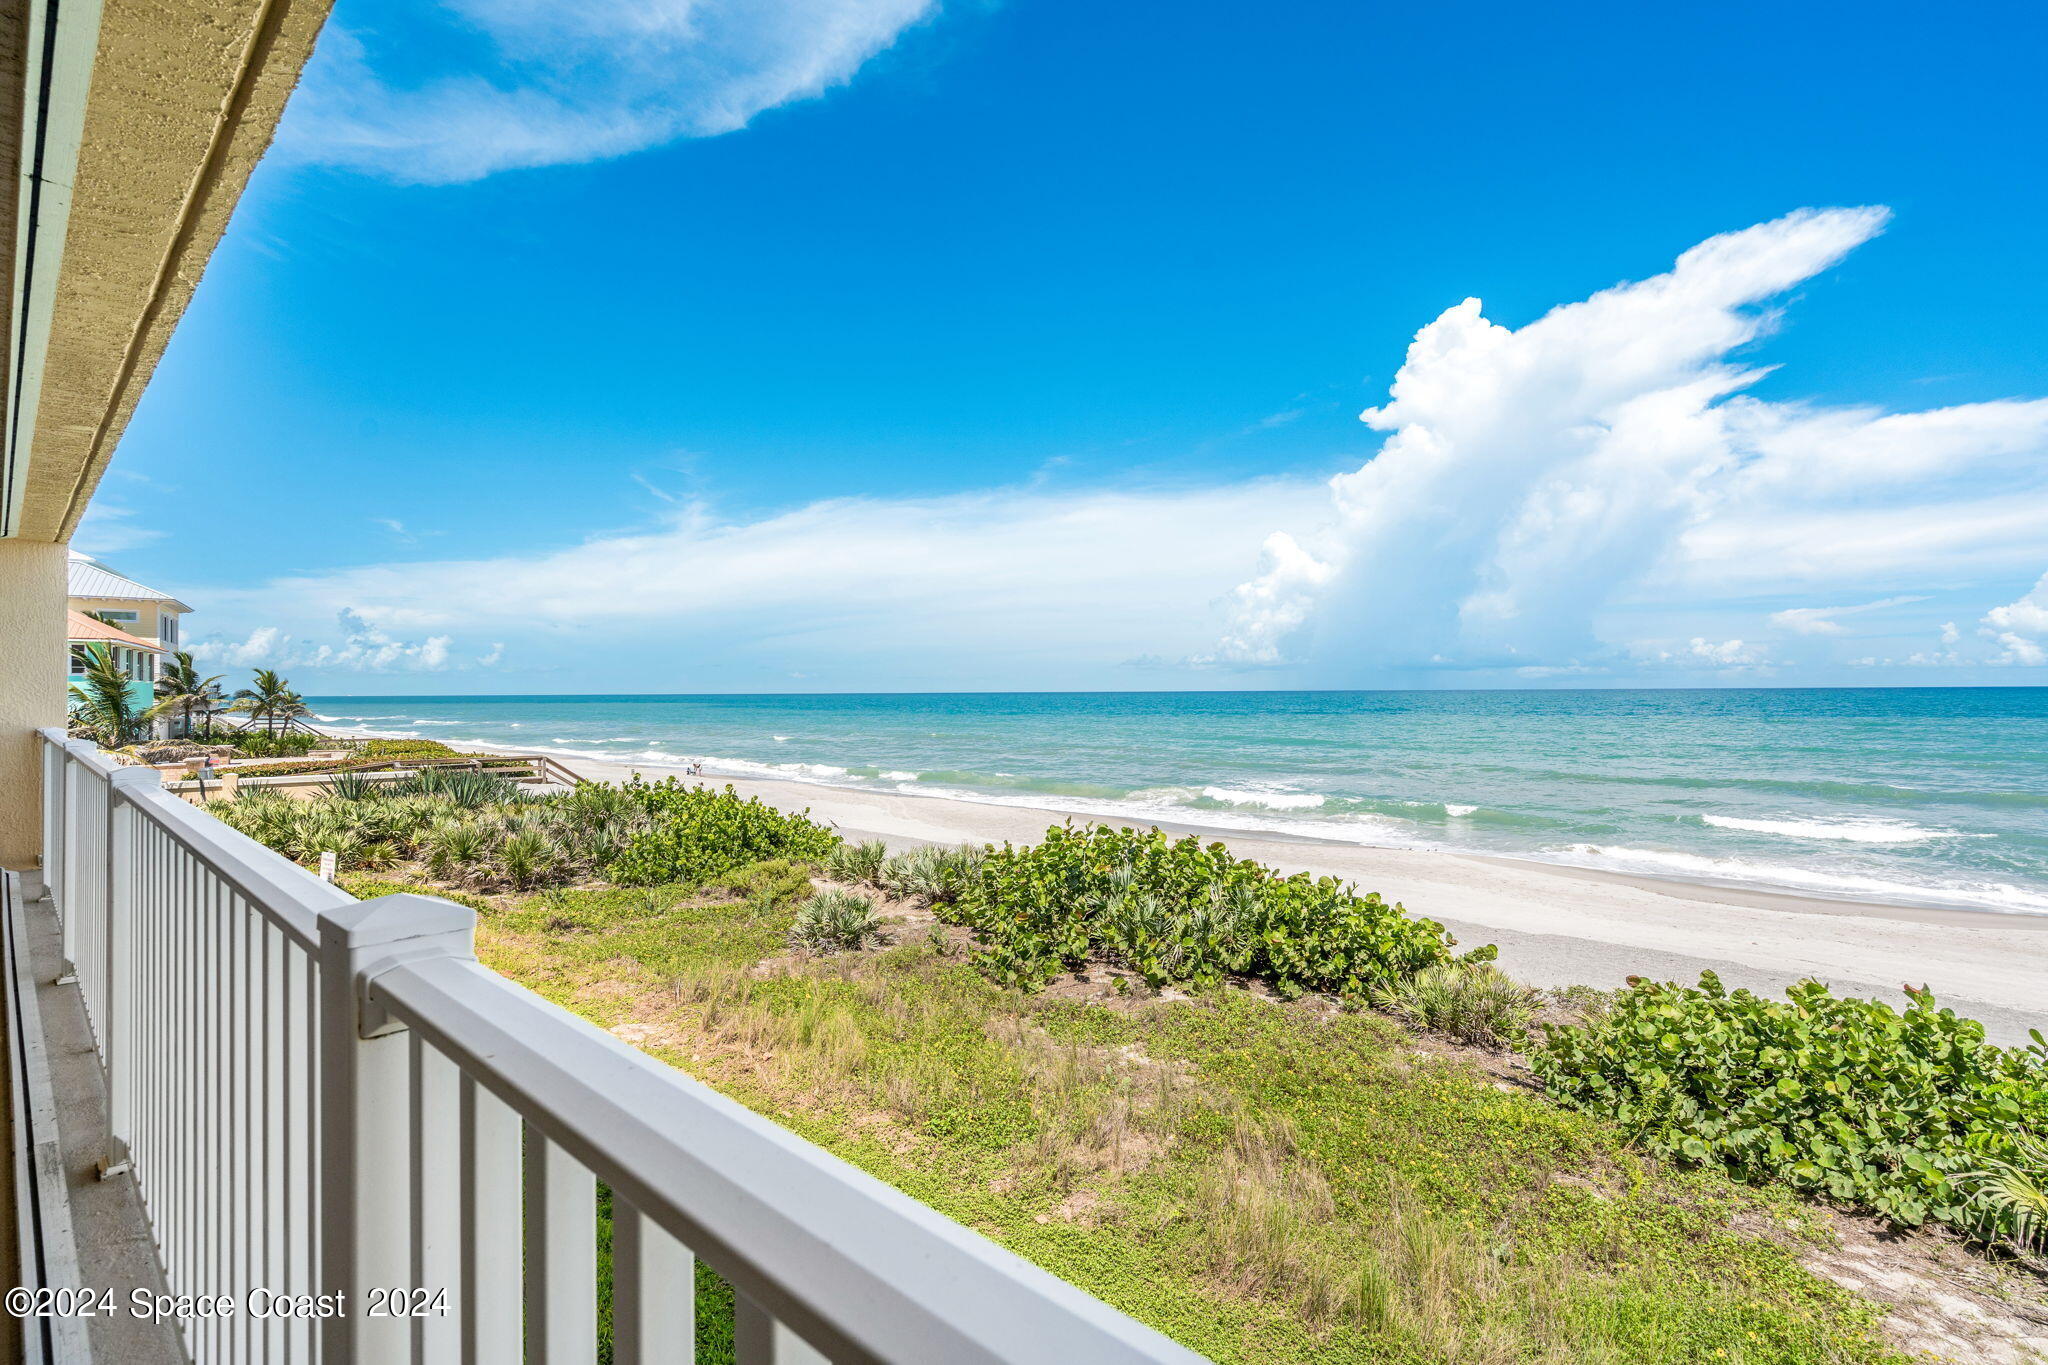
[
  {"x": 528, "y": 768},
  {"x": 331, "y": 1102}
]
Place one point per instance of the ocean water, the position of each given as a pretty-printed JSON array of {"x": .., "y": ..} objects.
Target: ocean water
[{"x": 1932, "y": 796}]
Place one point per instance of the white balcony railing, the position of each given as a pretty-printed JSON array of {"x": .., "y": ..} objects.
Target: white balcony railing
[{"x": 323, "y": 1097}]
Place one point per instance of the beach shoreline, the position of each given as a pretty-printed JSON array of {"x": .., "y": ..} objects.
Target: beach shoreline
[{"x": 1555, "y": 924}]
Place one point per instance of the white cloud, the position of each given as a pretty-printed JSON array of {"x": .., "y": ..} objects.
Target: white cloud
[
  {"x": 1267, "y": 609},
  {"x": 1605, "y": 458},
  {"x": 574, "y": 83},
  {"x": 1726, "y": 653},
  {"x": 108, "y": 528},
  {"x": 265, "y": 646},
  {"x": 363, "y": 649},
  {"x": 2028, "y": 616},
  {"x": 1697, "y": 653},
  {"x": 1821, "y": 620},
  {"x": 1023, "y": 584},
  {"x": 2020, "y": 650},
  {"x": 2021, "y": 628}
]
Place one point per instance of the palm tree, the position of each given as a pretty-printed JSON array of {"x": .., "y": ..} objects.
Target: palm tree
[
  {"x": 272, "y": 699},
  {"x": 101, "y": 703},
  {"x": 180, "y": 691}
]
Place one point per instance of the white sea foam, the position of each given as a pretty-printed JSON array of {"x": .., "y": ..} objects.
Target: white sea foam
[
  {"x": 1861, "y": 831},
  {"x": 1271, "y": 800},
  {"x": 1968, "y": 894},
  {"x": 781, "y": 739},
  {"x": 1255, "y": 809}
]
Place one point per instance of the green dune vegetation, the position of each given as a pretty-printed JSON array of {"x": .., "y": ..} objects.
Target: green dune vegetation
[{"x": 1276, "y": 1118}]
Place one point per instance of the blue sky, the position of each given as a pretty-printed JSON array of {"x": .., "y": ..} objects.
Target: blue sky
[{"x": 876, "y": 344}]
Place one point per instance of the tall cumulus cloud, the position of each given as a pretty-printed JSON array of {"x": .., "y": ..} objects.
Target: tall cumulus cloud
[{"x": 1608, "y": 453}]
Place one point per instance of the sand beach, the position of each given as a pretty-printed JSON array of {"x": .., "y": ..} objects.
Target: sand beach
[{"x": 1555, "y": 925}]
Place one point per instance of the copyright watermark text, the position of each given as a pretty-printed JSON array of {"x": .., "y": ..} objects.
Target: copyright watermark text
[{"x": 147, "y": 1304}]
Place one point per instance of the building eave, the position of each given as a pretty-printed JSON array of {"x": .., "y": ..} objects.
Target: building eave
[{"x": 151, "y": 120}]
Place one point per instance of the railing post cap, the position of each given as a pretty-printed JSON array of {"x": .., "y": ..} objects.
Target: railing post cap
[
  {"x": 135, "y": 777},
  {"x": 392, "y": 919},
  {"x": 360, "y": 942}
]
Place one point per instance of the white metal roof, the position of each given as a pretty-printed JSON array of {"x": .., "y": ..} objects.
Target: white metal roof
[{"x": 90, "y": 578}]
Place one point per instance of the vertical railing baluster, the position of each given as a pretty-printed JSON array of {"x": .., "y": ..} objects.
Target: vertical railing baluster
[
  {"x": 185, "y": 1092},
  {"x": 244, "y": 1135},
  {"x": 275, "y": 1275},
  {"x": 118, "y": 1004},
  {"x": 299, "y": 1134},
  {"x": 561, "y": 1256},
  {"x": 54, "y": 761},
  {"x": 758, "y": 1339},
  {"x": 313, "y": 1142},
  {"x": 436, "y": 1199},
  {"x": 214, "y": 1267},
  {"x": 490, "y": 1279},
  {"x": 654, "y": 1291}
]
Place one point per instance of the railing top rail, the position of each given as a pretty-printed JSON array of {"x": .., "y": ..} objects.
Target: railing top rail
[
  {"x": 282, "y": 891},
  {"x": 83, "y": 752},
  {"x": 279, "y": 889},
  {"x": 861, "y": 1270}
]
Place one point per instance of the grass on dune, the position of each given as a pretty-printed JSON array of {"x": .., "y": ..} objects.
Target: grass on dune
[{"x": 1264, "y": 1181}]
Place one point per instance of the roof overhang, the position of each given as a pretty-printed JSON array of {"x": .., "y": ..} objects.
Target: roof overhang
[
  {"x": 135, "y": 126},
  {"x": 86, "y": 630}
]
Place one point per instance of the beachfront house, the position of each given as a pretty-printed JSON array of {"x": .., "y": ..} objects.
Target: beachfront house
[
  {"x": 101, "y": 591},
  {"x": 296, "y": 1125},
  {"x": 137, "y": 623},
  {"x": 133, "y": 655}
]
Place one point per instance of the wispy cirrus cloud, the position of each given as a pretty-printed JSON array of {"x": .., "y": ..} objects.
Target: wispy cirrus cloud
[
  {"x": 108, "y": 528},
  {"x": 562, "y": 84},
  {"x": 1826, "y": 620}
]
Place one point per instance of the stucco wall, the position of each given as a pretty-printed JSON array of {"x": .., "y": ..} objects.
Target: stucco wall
[{"x": 32, "y": 683}]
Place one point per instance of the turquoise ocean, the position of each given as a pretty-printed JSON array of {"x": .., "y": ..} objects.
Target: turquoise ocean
[{"x": 1933, "y": 796}]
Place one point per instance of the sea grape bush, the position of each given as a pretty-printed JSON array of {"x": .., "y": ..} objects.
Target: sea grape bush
[
  {"x": 694, "y": 833},
  {"x": 405, "y": 748},
  {"x": 1180, "y": 910},
  {"x": 1846, "y": 1099},
  {"x": 479, "y": 832}
]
